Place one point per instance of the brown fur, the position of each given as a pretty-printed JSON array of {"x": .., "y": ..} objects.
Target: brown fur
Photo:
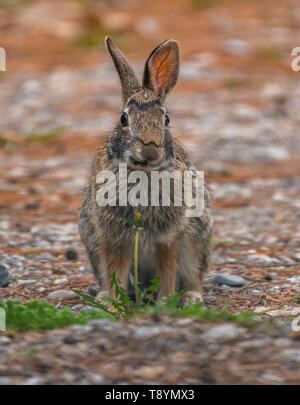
[{"x": 172, "y": 246}]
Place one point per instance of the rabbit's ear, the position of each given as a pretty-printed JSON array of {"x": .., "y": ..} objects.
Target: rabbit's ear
[
  {"x": 162, "y": 68},
  {"x": 129, "y": 82}
]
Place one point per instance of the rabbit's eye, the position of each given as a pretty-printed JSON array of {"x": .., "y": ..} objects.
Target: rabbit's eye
[
  {"x": 167, "y": 119},
  {"x": 124, "y": 119}
]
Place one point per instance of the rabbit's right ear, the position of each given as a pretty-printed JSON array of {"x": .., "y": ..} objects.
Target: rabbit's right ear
[
  {"x": 129, "y": 82},
  {"x": 162, "y": 68}
]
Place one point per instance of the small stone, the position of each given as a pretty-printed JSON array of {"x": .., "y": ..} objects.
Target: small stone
[
  {"x": 26, "y": 283},
  {"x": 46, "y": 255},
  {"x": 34, "y": 381},
  {"x": 89, "y": 309},
  {"x": 62, "y": 280},
  {"x": 225, "y": 287},
  {"x": 93, "y": 291},
  {"x": 296, "y": 256},
  {"x": 71, "y": 254},
  {"x": 236, "y": 47},
  {"x": 4, "y": 275},
  {"x": 32, "y": 205},
  {"x": 229, "y": 279},
  {"x": 255, "y": 343},
  {"x": 290, "y": 354},
  {"x": 62, "y": 295},
  {"x": 272, "y": 378},
  {"x": 255, "y": 291},
  {"x": 87, "y": 269},
  {"x": 221, "y": 333},
  {"x": 5, "y": 381},
  {"x": 69, "y": 340},
  {"x": 77, "y": 307},
  {"x": 282, "y": 342}
]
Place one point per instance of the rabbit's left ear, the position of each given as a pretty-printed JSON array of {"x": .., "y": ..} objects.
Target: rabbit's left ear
[
  {"x": 129, "y": 82},
  {"x": 162, "y": 68}
]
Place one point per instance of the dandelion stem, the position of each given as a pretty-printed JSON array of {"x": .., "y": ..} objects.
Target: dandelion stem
[{"x": 136, "y": 288}]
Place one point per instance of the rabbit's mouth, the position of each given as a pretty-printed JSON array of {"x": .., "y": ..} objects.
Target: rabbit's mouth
[
  {"x": 145, "y": 165},
  {"x": 136, "y": 162}
]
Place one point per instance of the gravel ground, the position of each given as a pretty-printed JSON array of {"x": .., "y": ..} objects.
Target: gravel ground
[{"x": 247, "y": 139}]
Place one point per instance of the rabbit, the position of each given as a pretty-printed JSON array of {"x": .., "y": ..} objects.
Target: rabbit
[{"x": 172, "y": 246}]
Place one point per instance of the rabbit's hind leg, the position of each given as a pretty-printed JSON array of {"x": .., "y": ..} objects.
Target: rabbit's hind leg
[
  {"x": 165, "y": 255},
  {"x": 192, "y": 259}
]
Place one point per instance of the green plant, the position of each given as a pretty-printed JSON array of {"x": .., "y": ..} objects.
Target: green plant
[
  {"x": 235, "y": 83},
  {"x": 40, "y": 316},
  {"x": 269, "y": 52},
  {"x": 214, "y": 242},
  {"x": 44, "y": 136},
  {"x": 138, "y": 226},
  {"x": 204, "y": 3},
  {"x": 168, "y": 306},
  {"x": 6, "y": 144}
]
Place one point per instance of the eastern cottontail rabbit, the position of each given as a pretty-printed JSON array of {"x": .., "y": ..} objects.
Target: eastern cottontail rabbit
[{"x": 172, "y": 246}]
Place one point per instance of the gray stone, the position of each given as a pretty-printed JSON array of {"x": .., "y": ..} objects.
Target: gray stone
[
  {"x": 26, "y": 283},
  {"x": 221, "y": 333},
  {"x": 34, "y": 381},
  {"x": 236, "y": 47},
  {"x": 93, "y": 291},
  {"x": 89, "y": 309},
  {"x": 5, "y": 381},
  {"x": 62, "y": 295},
  {"x": 290, "y": 354},
  {"x": 4, "y": 275},
  {"x": 229, "y": 279}
]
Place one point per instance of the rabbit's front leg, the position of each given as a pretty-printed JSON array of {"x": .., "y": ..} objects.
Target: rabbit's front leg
[
  {"x": 166, "y": 269},
  {"x": 118, "y": 260}
]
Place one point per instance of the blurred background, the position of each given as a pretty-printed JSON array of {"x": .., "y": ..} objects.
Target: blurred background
[{"x": 236, "y": 108}]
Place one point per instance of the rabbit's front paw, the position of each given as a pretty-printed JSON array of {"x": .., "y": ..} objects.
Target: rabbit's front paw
[
  {"x": 100, "y": 295},
  {"x": 191, "y": 297}
]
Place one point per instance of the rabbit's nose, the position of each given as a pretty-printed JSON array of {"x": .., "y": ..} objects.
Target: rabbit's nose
[
  {"x": 150, "y": 153},
  {"x": 145, "y": 155}
]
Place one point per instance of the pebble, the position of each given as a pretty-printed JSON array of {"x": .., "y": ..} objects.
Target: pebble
[
  {"x": 290, "y": 354},
  {"x": 255, "y": 343},
  {"x": 62, "y": 295},
  {"x": 236, "y": 47},
  {"x": 297, "y": 257},
  {"x": 35, "y": 381},
  {"x": 146, "y": 331},
  {"x": 4, "y": 275},
  {"x": 272, "y": 378},
  {"x": 71, "y": 254},
  {"x": 229, "y": 279},
  {"x": 282, "y": 342},
  {"x": 89, "y": 309},
  {"x": 77, "y": 307},
  {"x": 26, "y": 283},
  {"x": 221, "y": 333},
  {"x": 263, "y": 258},
  {"x": 93, "y": 291},
  {"x": 5, "y": 381},
  {"x": 62, "y": 280}
]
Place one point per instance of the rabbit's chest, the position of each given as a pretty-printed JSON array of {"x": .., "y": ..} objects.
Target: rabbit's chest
[{"x": 160, "y": 223}]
